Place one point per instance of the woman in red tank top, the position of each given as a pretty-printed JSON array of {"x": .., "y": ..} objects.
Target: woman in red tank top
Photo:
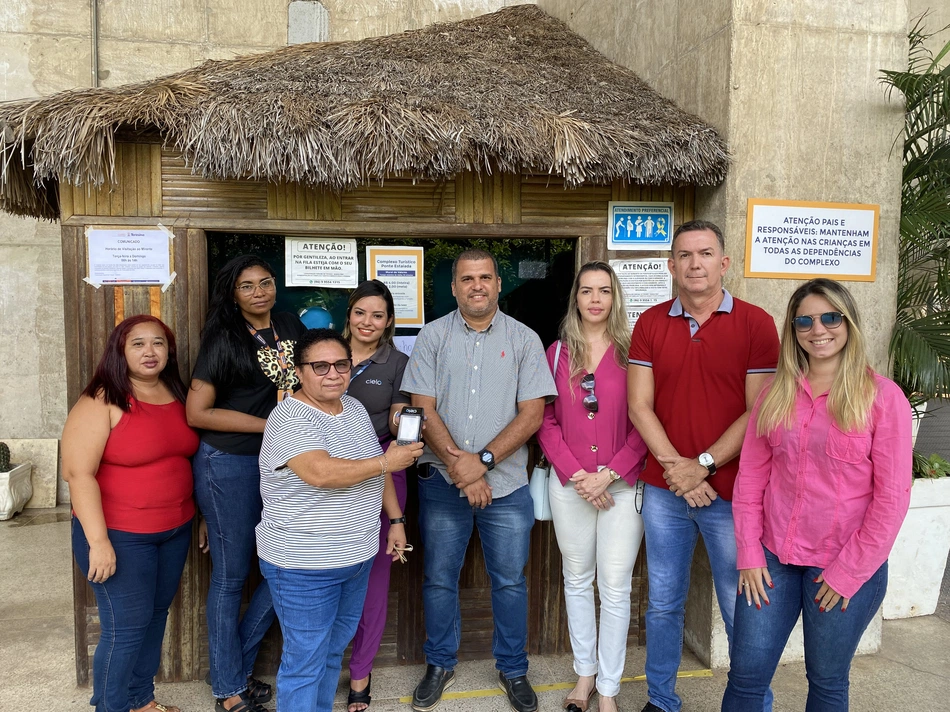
[{"x": 126, "y": 450}]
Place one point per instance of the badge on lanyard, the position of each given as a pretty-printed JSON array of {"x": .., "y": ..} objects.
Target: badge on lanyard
[{"x": 285, "y": 384}]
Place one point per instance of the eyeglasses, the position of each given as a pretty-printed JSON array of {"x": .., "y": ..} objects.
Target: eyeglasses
[
  {"x": 322, "y": 368},
  {"x": 266, "y": 285},
  {"x": 590, "y": 401},
  {"x": 831, "y": 320}
]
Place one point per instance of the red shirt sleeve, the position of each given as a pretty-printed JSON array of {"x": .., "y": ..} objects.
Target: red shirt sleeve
[
  {"x": 641, "y": 347},
  {"x": 764, "y": 344}
]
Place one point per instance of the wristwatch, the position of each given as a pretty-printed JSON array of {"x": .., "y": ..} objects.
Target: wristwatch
[
  {"x": 614, "y": 476},
  {"x": 487, "y": 458},
  {"x": 706, "y": 460}
]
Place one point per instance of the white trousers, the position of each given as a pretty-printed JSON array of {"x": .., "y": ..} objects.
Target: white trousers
[{"x": 605, "y": 543}]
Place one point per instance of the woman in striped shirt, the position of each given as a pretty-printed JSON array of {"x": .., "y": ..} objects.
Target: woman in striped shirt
[{"x": 324, "y": 479}]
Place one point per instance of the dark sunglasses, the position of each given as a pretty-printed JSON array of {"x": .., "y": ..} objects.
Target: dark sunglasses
[
  {"x": 322, "y": 368},
  {"x": 830, "y": 320},
  {"x": 590, "y": 401}
]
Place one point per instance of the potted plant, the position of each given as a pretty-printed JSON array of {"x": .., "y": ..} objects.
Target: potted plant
[
  {"x": 920, "y": 343},
  {"x": 16, "y": 488}
]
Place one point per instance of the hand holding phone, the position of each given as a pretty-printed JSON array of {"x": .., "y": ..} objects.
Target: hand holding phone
[{"x": 401, "y": 456}]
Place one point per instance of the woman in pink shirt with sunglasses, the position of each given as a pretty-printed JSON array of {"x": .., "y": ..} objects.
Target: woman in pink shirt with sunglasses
[
  {"x": 597, "y": 455},
  {"x": 823, "y": 486}
]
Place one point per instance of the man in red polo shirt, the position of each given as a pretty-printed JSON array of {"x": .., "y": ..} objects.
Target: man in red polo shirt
[{"x": 697, "y": 364}]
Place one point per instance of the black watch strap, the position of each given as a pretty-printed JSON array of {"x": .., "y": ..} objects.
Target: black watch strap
[{"x": 487, "y": 458}]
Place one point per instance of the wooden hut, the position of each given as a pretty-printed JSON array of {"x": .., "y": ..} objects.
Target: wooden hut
[{"x": 505, "y": 126}]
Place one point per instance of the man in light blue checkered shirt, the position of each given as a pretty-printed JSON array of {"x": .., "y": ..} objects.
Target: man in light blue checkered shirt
[{"x": 483, "y": 381}]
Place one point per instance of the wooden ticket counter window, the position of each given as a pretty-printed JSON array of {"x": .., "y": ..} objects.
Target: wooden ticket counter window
[{"x": 153, "y": 186}]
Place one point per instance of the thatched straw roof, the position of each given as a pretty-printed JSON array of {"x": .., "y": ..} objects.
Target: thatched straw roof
[{"x": 510, "y": 91}]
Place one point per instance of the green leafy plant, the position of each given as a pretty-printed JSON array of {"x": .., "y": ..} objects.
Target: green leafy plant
[
  {"x": 920, "y": 342},
  {"x": 932, "y": 467}
]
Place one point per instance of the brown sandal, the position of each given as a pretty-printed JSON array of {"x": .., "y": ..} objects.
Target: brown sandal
[
  {"x": 577, "y": 704},
  {"x": 158, "y": 707}
]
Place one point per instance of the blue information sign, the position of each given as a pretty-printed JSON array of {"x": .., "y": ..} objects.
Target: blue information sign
[{"x": 639, "y": 226}]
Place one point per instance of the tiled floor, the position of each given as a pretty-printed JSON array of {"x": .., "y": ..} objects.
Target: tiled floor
[{"x": 912, "y": 671}]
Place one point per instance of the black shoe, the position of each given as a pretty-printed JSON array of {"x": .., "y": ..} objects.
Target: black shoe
[
  {"x": 521, "y": 695},
  {"x": 428, "y": 693},
  {"x": 652, "y": 708}
]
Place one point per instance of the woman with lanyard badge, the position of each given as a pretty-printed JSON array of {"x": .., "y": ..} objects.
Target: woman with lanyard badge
[
  {"x": 244, "y": 368},
  {"x": 377, "y": 374}
]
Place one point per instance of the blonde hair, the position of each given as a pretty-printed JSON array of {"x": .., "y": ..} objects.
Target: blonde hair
[
  {"x": 853, "y": 389},
  {"x": 572, "y": 326}
]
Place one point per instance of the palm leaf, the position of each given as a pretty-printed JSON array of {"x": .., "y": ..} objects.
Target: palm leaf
[{"x": 920, "y": 342}]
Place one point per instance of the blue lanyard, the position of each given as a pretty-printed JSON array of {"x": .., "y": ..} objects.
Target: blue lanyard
[{"x": 356, "y": 375}]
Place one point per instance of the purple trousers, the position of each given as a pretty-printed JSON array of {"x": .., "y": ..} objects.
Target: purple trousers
[{"x": 369, "y": 633}]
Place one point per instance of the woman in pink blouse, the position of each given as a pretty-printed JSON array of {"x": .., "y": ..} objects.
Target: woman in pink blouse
[
  {"x": 823, "y": 486},
  {"x": 597, "y": 455}
]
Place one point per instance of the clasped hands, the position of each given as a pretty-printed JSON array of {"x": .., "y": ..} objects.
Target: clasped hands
[
  {"x": 687, "y": 479},
  {"x": 592, "y": 486},
  {"x": 467, "y": 471}
]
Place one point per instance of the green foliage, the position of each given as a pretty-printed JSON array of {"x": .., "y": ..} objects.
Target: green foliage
[
  {"x": 931, "y": 467},
  {"x": 920, "y": 342},
  {"x": 4, "y": 457}
]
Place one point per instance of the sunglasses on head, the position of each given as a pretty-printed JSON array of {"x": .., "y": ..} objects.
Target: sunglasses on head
[
  {"x": 830, "y": 320},
  {"x": 590, "y": 400}
]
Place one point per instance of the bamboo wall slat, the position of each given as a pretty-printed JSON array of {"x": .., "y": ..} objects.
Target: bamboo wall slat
[
  {"x": 293, "y": 201},
  {"x": 136, "y": 192},
  {"x": 488, "y": 199},
  {"x": 399, "y": 199},
  {"x": 184, "y": 193}
]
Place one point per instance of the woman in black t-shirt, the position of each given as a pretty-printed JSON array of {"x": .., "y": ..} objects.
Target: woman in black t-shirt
[{"x": 244, "y": 368}]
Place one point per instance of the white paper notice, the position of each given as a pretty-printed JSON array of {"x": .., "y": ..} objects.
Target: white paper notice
[
  {"x": 400, "y": 269},
  {"x": 320, "y": 263},
  {"x": 128, "y": 256},
  {"x": 645, "y": 283},
  {"x": 791, "y": 239}
]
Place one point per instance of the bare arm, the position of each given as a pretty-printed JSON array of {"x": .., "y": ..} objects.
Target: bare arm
[
  {"x": 393, "y": 409},
  {"x": 640, "y": 393},
  {"x": 317, "y": 468},
  {"x": 84, "y": 439},
  {"x": 468, "y": 467},
  {"x": 201, "y": 413},
  {"x": 685, "y": 474},
  {"x": 729, "y": 444},
  {"x": 517, "y": 432},
  {"x": 396, "y": 538},
  {"x": 436, "y": 435}
]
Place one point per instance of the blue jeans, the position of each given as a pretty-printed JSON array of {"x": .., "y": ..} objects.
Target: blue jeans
[
  {"x": 318, "y": 610},
  {"x": 228, "y": 491},
  {"x": 671, "y": 527},
  {"x": 504, "y": 527},
  {"x": 133, "y": 606},
  {"x": 831, "y": 638}
]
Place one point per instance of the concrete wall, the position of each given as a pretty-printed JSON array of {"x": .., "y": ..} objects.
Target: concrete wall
[
  {"x": 937, "y": 18},
  {"x": 45, "y": 47},
  {"x": 794, "y": 89}
]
